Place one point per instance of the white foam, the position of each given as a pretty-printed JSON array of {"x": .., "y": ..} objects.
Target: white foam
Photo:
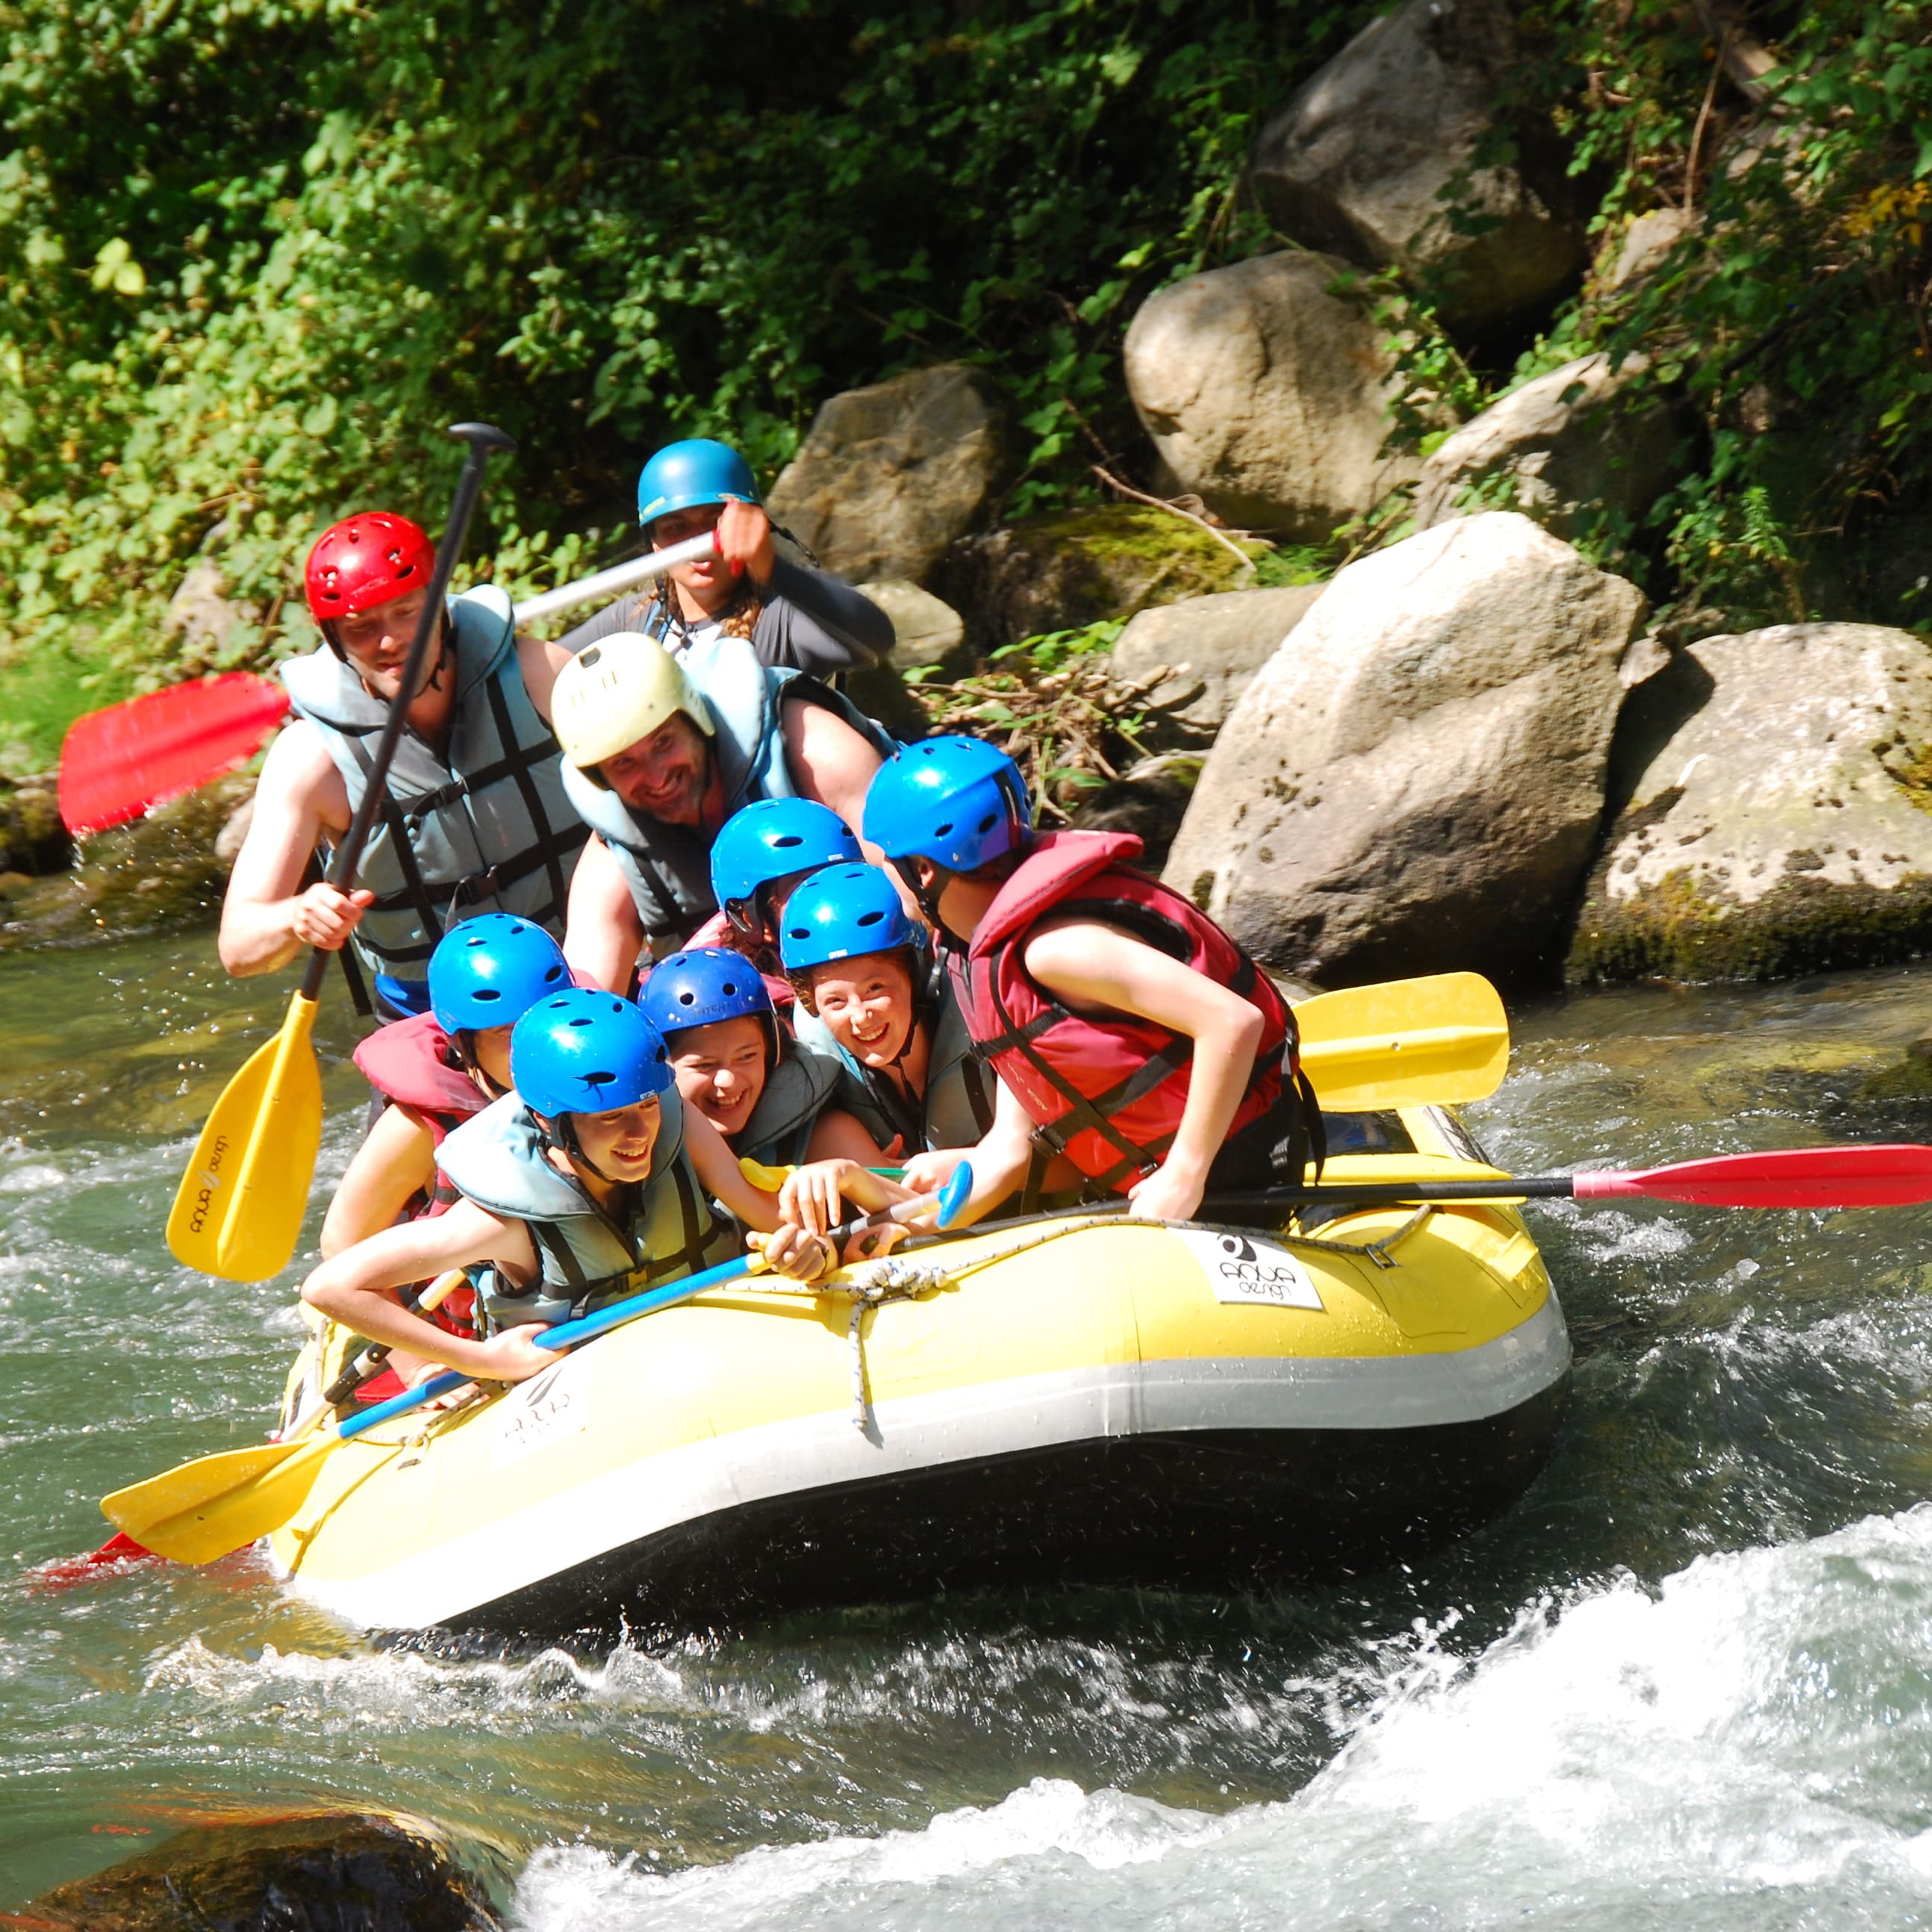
[{"x": 1748, "y": 1744}]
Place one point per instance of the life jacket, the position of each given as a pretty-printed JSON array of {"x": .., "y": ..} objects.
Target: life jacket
[
  {"x": 668, "y": 867},
  {"x": 497, "y": 1160},
  {"x": 957, "y": 1108},
  {"x": 798, "y": 1089},
  {"x": 1108, "y": 1093},
  {"x": 488, "y": 829}
]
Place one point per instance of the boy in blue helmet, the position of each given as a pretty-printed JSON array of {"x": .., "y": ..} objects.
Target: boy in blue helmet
[
  {"x": 589, "y": 1182},
  {"x": 1131, "y": 1035},
  {"x": 872, "y": 992},
  {"x": 795, "y": 619},
  {"x": 763, "y": 854},
  {"x": 435, "y": 1069},
  {"x": 774, "y": 1101}
]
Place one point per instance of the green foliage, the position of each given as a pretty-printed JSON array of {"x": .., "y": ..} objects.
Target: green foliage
[
  {"x": 256, "y": 253},
  {"x": 1792, "y": 317}
]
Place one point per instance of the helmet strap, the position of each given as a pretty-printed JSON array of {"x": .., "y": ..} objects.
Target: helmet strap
[
  {"x": 464, "y": 1041},
  {"x": 562, "y": 1135},
  {"x": 927, "y": 897}
]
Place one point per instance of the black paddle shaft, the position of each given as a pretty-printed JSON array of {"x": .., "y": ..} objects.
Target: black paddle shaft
[{"x": 482, "y": 439}]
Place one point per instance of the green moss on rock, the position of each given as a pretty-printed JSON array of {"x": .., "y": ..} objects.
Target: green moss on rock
[
  {"x": 1679, "y": 928},
  {"x": 1059, "y": 572}
]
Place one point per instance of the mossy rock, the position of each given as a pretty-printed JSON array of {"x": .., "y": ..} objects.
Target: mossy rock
[
  {"x": 1059, "y": 572},
  {"x": 32, "y": 838},
  {"x": 321, "y": 1872},
  {"x": 1679, "y": 929}
]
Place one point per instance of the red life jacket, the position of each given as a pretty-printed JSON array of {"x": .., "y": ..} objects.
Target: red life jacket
[
  {"x": 412, "y": 1063},
  {"x": 1108, "y": 1093}
]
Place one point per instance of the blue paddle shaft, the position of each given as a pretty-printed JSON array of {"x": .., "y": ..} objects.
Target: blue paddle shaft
[{"x": 568, "y": 1334}]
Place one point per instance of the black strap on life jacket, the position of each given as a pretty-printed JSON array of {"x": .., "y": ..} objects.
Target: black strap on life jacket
[
  {"x": 1094, "y": 1114},
  {"x": 550, "y": 847},
  {"x": 699, "y": 1230}
]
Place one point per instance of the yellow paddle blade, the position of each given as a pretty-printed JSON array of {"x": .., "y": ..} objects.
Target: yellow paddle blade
[
  {"x": 1433, "y": 1042},
  {"x": 766, "y": 1180},
  {"x": 205, "y": 1508},
  {"x": 237, "y": 1212}
]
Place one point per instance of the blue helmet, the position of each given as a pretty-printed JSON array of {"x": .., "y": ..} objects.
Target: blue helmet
[
  {"x": 491, "y": 970},
  {"x": 682, "y": 475},
  {"x": 773, "y": 837},
  {"x": 843, "y": 912},
  {"x": 956, "y": 801},
  {"x": 585, "y": 1052},
  {"x": 699, "y": 988}
]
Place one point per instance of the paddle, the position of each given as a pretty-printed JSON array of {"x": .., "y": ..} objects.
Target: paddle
[
  {"x": 118, "y": 762},
  {"x": 1435, "y": 1042},
  {"x": 205, "y": 1509},
  {"x": 1886, "y": 1176},
  {"x": 239, "y": 1210}
]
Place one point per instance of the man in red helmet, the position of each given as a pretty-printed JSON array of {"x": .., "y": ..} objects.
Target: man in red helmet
[{"x": 474, "y": 818}]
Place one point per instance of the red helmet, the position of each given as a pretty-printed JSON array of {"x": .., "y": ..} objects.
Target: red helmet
[{"x": 366, "y": 561}]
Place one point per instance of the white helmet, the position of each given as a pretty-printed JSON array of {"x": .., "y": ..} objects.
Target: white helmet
[{"x": 616, "y": 691}]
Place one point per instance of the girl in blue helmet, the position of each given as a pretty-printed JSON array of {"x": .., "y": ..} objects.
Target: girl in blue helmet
[
  {"x": 589, "y": 1182},
  {"x": 795, "y": 618},
  {"x": 774, "y": 1101},
  {"x": 872, "y": 991}
]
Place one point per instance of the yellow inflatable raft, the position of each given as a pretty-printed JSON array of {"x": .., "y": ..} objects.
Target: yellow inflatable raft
[{"x": 1075, "y": 1396}]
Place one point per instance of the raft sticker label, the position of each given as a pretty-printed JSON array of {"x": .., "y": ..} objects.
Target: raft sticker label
[
  {"x": 543, "y": 1410},
  {"x": 1245, "y": 1268}
]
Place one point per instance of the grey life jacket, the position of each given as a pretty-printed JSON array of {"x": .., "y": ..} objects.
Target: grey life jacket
[
  {"x": 668, "y": 867},
  {"x": 798, "y": 1089},
  {"x": 957, "y": 1106},
  {"x": 488, "y": 828},
  {"x": 497, "y": 1160}
]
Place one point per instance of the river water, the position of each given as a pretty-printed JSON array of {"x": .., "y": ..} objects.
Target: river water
[{"x": 1688, "y": 1680}]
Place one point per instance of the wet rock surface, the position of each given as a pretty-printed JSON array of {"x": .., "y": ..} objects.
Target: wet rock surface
[
  {"x": 331, "y": 1872},
  {"x": 1359, "y": 160},
  {"x": 151, "y": 875},
  {"x": 1213, "y": 646},
  {"x": 890, "y": 475},
  {"x": 1416, "y": 785},
  {"x": 32, "y": 838},
  {"x": 1772, "y": 802},
  {"x": 1265, "y": 393}
]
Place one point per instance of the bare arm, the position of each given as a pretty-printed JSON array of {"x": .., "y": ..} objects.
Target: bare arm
[
  {"x": 540, "y": 662},
  {"x": 830, "y": 763},
  {"x": 603, "y": 933},
  {"x": 396, "y": 1160},
  {"x": 300, "y": 799},
  {"x": 724, "y": 1179},
  {"x": 1093, "y": 968},
  {"x": 837, "y": 1135},
  {"x": 1000, "y": 1159},
  {"x": 355, "y": 1288}
]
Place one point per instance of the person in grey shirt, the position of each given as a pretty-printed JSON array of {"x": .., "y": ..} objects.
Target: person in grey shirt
[{"x": 795, "y": 619}]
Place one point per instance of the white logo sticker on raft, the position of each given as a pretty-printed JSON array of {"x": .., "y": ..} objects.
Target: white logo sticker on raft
[
  {"x": 1244, "y": 1267},
  {"x": 544, "y": 1409}
]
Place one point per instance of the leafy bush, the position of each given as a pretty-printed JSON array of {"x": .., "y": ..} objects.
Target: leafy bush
[{"x": 255, "y": 253}]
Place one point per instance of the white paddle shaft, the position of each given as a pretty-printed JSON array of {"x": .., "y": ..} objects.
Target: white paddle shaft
[{"x": 619, "y": 577}]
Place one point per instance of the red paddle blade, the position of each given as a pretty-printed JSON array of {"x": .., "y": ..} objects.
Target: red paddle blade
[
  {"x": 1837, "y": 1177},
  {"x": 62, "y": 1575},
  {"x": 117, "y": 763}
]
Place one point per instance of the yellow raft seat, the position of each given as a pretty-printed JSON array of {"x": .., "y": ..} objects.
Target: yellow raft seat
[{"x": 1071, "y": 1397}]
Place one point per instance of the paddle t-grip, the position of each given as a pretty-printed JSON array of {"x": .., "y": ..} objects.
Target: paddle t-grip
[{"x": 482, "y": 439}]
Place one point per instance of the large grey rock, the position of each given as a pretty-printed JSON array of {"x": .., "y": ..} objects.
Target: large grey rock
[
  {"x": 1576, "y": 450},
  {"x": 207, "y": 624},
  {"x": 925, "y": 629},
  {"x": 890, "y": 475},
  {"x": 1775, "y": 810},
  {"x": 1212, "y": 647},
  {"x": 1647, "y": 244},
  {"x": 1267, "y": 395},
  {"x": 1360, "y": 158},
  {"x": 1415, "y": 786},
  {"x": 1060, "y": 572}
]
